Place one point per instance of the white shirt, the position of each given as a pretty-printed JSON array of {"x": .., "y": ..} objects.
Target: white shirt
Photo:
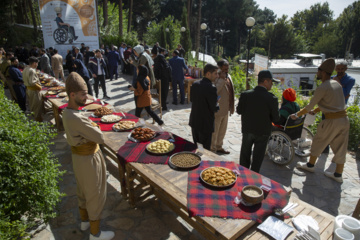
[
  {"x": 122, "y": 50},
  {"x": 99, "y": 67}
]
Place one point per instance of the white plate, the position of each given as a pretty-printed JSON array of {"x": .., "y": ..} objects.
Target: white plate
[{"x": 275, "y": 228}]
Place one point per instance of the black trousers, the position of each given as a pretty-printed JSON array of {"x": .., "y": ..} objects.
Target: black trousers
[
  {"x": 164, "y": 92},
  {"x": 101, "y": 79},
  {"x": 201, "y": 137},
  {"x": 20, "y": 92},
  {"x": 90, "y": 91},
  {"x": 138, "y": 111},
  {"x": 259, "y": 142}
]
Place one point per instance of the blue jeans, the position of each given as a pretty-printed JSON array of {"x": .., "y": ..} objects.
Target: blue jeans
[{"x": 182, "y": 90}]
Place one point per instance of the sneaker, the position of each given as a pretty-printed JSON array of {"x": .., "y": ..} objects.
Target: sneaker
[
  {"x": 84, "y": 226},
  {"x": 303, "y": 165},
  {"x": 107, "y": 97},
  {"x": 331, "y": 175},
  {"x": 104, "y": 235}
]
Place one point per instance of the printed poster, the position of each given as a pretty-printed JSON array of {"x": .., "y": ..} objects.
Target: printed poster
[{"x": 67, "y": 23}]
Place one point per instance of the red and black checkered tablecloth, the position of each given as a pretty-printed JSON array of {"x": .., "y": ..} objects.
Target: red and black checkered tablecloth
[
  {"x": 211, "y": 202},
  {"x": 62, "y": 107},
  {"x": 108, "y": 126},
  {"x": 136, "y": 152}
]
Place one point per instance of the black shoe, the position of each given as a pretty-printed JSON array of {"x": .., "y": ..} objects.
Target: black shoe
[
  {"x": 107, "y": 97},
  {"x": 76, "y": 37},
  {"x": 182, "y": 103},
  {"x": 174, "y": 103},
  {"x": 164, "y": 109},
  {"x": 97, "y": 96}
]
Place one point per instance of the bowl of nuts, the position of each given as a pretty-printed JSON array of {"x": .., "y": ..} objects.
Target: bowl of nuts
[
  {"x": 160, "y": 147},
  {"x": 219, "y": 177},
  {"x": 252, "y": 194},
  {"x": 185, "y": 160}
]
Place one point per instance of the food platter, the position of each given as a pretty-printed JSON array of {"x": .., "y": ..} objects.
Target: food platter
[
  {"x": 124, "y": 126},
  {"x": 133, "y": 136},
  {"x": 62, "y": 94},
  {"x": 111, "y": 118},
  {"x": 51, "y": 92},
  {"x": 102, "y": 111},
  {"x": 229, "y": 175},
  {"x": 185, "y": 160},
  {"x": 170, "y": 147}
]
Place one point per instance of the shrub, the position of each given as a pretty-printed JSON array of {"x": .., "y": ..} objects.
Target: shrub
[
  {"x": 354, "y": 133},
  {"x": 29, "y": 172}
]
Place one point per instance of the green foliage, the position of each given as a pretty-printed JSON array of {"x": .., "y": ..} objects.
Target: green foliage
[
  {"x": 185, "y": 38},
  {"x": 110, "y": 33},
  {"x": 354, "y": 133},
  {"x": 239, "y": 79},
  {"x": 11, "y": 229},
  {"x": 29, "y": 172},
  {"x": 156, "y": 33}
]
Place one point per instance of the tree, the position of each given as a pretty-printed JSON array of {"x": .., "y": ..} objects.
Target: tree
[
  {"x": 348, "y": 28},
  {"x": 185, "y": 39},
  {"x": 130, "y": 15},
  {"x": 105, "y": 13},
  {"x": 197, "y": 42},
  {"x": 120, "y": 18},
  {"x": 33, "y": 18}
]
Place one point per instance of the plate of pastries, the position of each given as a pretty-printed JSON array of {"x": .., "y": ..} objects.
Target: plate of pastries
[{"x": 141, "y": 134}]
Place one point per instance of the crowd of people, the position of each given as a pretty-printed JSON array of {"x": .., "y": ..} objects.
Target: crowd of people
[{"x": 213, "y": 101}]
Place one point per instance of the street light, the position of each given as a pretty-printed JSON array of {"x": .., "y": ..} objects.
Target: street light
[
  {"x": 182, "y": 29},
  {"x": 166, "y": 29},
  {"x": 221, "y": 32},
  {"x": 203, "y": 26},
  {"x": 250, "y": 22}
]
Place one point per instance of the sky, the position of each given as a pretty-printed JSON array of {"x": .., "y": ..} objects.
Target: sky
[{"x": 290, "y": 7}]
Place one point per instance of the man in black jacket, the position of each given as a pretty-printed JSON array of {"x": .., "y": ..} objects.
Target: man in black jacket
[
  {"x": 162, "y": 71},
  {"x": 258, "y": 109},
  {"x": 203, "y": 95}
]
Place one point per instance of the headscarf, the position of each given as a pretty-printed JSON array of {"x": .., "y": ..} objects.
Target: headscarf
[
  {"x": 81, "y": 69},
  {"x": 75, "y": 83},
  {"x": 140, "y": 50},
  {"x": 141, "y": 77},
  {"x": 289, "y": 94}
]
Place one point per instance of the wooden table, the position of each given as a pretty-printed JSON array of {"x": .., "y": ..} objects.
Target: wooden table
[
  {"x": 188, "y": 83},
  {"x": 171, "y": 187}
]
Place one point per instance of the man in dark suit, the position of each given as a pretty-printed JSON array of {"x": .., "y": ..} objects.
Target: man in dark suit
[
  {"x": 204, "y": 100},
  {"x": 78, "y": 55},
  {"x": 258, "y": 109}
]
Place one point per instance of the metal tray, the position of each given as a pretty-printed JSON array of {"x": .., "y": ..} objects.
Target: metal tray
[{"x": 194, "y": 166}]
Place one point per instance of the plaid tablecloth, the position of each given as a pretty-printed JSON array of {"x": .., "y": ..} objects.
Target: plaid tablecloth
[
  {"x": 108, "y": 126},
  {"x": 203, "y": 201},
  {"x": 136, "y": 152}
]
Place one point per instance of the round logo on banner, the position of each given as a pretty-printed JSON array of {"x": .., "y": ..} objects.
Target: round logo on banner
[{"x": 86, "y": 11}]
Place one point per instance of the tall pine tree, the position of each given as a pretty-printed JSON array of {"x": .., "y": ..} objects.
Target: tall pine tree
[{"x": 185, "y": 39}]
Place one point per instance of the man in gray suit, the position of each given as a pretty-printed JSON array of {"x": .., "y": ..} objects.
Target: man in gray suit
[
  {"x": 44, "y": 62},
  {"x": 258, "y": 109}
]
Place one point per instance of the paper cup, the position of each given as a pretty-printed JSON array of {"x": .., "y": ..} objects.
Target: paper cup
[
  {"x": 342, "y": 234},
  {"x": 353, "y": 226}
]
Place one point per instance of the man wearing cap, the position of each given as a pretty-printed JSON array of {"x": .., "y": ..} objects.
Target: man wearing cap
[
  {"x": 225, "y": 89},
  {"x": 347, "y": 82},
  {"x": 33, "y": 88},
  {"x": 97, "y": 67},
  {"x": 258, "y": 109},
  {"x": 334, "y": 129},
  {"x": 84, "y": 137}
]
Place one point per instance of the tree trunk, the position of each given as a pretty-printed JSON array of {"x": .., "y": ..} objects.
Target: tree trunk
[
  {"x": 188, "y": 13},
  {"x": 130, "y": 15},
  {"x": 197, "y": 45},
  {"x": 26, "y": 18},
  {"x": 105, "y": 13},
  {"x": 120, "y": 19},
  {"x": 33, "y": 19}
]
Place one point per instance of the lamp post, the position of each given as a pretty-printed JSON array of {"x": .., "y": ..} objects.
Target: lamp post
[
  {"x": 203, "y": 26},
  {"x": 182, "y": 29},
  {"x": 250, "y": 22},
  {"x": 221, "y": 32}
]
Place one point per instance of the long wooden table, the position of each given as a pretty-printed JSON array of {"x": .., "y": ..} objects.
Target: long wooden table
[
  {"x": 188, "y": 83},
  {"x": 170, "y": 186}
]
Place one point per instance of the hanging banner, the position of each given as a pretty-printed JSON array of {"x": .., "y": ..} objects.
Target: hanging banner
[{"x": 67, "y": 23}]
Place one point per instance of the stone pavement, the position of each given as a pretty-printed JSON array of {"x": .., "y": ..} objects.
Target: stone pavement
[{"x": 151, "y": 219}]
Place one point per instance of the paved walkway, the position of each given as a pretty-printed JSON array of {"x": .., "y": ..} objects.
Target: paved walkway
[{"x": 152, "y": 219}]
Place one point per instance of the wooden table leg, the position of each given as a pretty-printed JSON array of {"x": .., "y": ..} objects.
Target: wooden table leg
[
  {"x": 123, "y": 181},
  {"x": 129, "y": 178},
  {"x": 57, "y": 118}
]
